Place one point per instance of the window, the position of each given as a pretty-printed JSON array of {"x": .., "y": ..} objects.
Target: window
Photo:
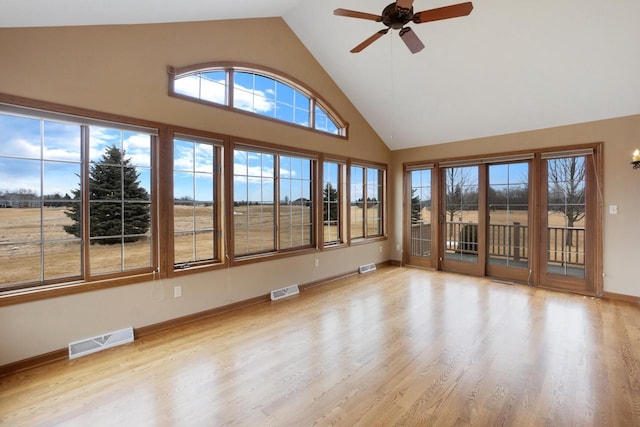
[
  {"x": 253, "y": 202},
  {"x": 332, "y": 203},
  {"x": 295, "y": 202},
  {"x": 77, "y": 198},
  {"x": 210, "y": 86},
  {"x": 267, "y": 97},
  {"x": 367, "y": 202},
  {"x": 262, "y": 92},
  {"x": 267, "y": 217},
  {"x": 40, "y": 165},
  {"x": 195, "y": 200},
  {"x": 567, "y": 215},
  {"x": 119, "y": 200},
  {"x": 420, "y": 223},
  {"x": 508, "y": 199},
  {"x": 93, "y": 198},
  {"x": 531, "y": 217}
]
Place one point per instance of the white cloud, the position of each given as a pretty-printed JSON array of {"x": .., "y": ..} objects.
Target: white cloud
[{"x": 198, "y": 87}]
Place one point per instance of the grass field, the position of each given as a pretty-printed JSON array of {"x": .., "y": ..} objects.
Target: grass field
[
  {"x": 20, "y": 262},
  {"x": 501, "y": 234}
]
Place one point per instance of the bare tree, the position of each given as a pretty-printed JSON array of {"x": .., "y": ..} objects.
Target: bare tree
[
  {"x": 457, "y": 181},
  {"x": 566, "y": 177}
]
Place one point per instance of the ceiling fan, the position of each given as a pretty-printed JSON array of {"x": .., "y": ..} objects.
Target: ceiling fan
[{"x": 397, "y": 15}]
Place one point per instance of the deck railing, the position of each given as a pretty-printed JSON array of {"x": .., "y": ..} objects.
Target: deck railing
[{"x": 508, "y": 241}]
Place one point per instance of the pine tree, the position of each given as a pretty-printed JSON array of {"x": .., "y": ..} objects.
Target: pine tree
[
  {"x": 108, "y": 179},
  {"x": 330, "y": 196},
  {"x": 416, "y": 208}
]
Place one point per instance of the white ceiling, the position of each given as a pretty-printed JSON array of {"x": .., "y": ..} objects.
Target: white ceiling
[{"x": 510, "y": 66}]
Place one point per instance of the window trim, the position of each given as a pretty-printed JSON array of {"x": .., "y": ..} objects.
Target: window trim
[
  {"x": 383, "y": 232},
  {"x": 161, "y": 163},
  {"x": 31, "y": 291},
  {"x": 84, "y": 125},
  {"x": 538, "y": 186},
  {"x": 277, "y": 151},
  {"x": 342, "y": 201},
  {"x": 315, "y": 99},
  {"x": 220, "y": 142}
]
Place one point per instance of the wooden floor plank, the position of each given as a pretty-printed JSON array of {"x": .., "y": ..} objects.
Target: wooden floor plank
[{"x": 399, "y": 346}]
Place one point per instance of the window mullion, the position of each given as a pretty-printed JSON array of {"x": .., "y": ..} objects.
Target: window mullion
[
  {"x": 84, "y": 200},
  {"x": 230, "y": 86},
  {"x": 42, "y": 242},
  {"x": 276, "y": 201}
]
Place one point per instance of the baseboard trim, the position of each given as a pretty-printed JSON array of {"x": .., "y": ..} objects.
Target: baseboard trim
[
  {"x": 34, "y": 362},
  {"x": 61, "y": 354},
  {"x": 316, "y": 283},
  {"x": 180, "y": 321},
  {"x": 621, "y": 297}
]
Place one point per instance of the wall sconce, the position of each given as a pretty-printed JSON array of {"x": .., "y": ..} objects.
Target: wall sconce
[{"x": 635, "y": 161}]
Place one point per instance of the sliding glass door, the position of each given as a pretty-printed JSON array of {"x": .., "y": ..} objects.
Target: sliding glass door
[
  {"x": 508, "y": 234},
  {"x": 569, "y": 219},
  {"x": 527, "y": 217},
  {"x": 462, "y": 220},
  {"x": 420, "y": 233}
]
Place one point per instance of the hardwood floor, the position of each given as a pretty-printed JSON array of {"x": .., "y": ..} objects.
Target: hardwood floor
[{"x": 396, "y": 347}]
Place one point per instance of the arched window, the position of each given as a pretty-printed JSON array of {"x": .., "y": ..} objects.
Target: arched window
[{"x": 256, "y": 90}]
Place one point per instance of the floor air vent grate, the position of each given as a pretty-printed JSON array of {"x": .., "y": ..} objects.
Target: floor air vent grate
[
  {"x": 284, "y": 292},
  {"x": 101, "y": 342},
  {"x": 367, "y": 268}
]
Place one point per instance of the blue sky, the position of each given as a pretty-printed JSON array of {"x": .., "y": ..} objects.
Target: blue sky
[
  {"x": 252, "y": 92},
  {"x": 254, "y": 172},
  {"x": 23, "y": 140}
]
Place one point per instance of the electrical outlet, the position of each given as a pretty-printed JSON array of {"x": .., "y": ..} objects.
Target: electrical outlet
[
  {"x": 380, "y": 249},
  {"x": 317, "y": 262},
  {"x": 613, "y": 209},
  {"x": 177, "y": 291}
]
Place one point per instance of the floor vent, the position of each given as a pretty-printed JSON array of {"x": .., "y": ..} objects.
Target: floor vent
[
  {"x": 284, "y": 292},
  {"x": 367, "y": 268},
  {"x": 101, "y": 342}
]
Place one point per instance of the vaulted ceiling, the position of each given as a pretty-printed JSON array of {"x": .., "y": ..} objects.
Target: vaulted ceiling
[{"x": 509, "y": 66}]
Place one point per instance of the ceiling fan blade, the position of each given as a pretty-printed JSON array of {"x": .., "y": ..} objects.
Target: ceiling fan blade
[
  {"x": 370, "y": 40},
  {"x": 412, "y": 41},
  {"x": 453, "y": 11},
  {"x": 355, "y": 14}
]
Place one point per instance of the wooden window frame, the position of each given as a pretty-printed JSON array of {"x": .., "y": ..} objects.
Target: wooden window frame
[
  {"x": 22, "y": 292},
  {"x": 366, "y": 238},
  {"x": 342, "y": 193},
  {"x": 315, "y": 99},
  {"x": 219, "y": 143},
  {"x": 537, "y": 183},
  {"x": 162, "y": 188},
  {"x": 277, "y": 152}
]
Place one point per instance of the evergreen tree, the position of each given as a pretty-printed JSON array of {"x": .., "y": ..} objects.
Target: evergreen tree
[
  {"x": 416, "y": 207},
  {"x": 113, "y": 186},
  {"x": 330, "y": 197}
]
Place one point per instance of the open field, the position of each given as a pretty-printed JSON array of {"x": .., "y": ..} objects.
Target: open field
[
  {"x": 502, "y": 235},
  {"x": 20, "y": 262},
  {"x": 556, "y": 219}
]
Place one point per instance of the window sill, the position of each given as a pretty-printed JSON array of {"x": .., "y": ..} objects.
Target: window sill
[{"x": 51, "y": 291}]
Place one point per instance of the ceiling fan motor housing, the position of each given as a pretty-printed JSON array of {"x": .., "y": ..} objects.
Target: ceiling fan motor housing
[{"x": 396, "y": 18}]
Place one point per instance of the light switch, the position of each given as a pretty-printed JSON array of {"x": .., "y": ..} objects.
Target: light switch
[{"x": 613, "y": 209}]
